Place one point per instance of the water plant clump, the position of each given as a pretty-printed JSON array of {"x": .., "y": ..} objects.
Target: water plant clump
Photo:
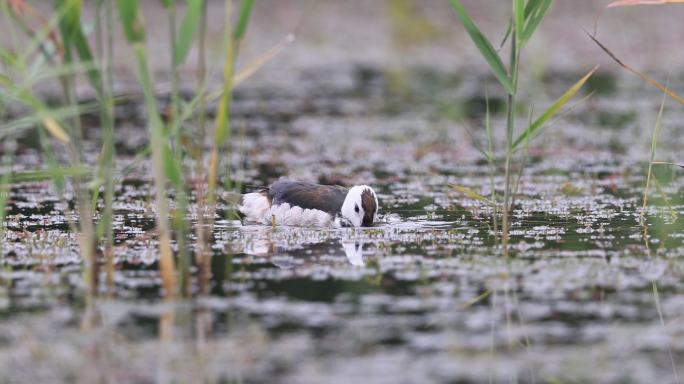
[{"x": 525, "y": 19}]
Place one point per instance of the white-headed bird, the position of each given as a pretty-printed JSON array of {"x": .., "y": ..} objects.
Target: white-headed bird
[{"x": 304, "y": 204}]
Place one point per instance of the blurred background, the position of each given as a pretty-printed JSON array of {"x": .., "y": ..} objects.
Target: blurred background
[{"x": 398, "y": 34}]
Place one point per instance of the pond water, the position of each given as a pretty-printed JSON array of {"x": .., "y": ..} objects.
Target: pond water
[{"x": 588, "y": 294}]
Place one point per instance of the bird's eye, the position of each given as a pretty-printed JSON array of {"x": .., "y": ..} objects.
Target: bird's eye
[{"x": 356, "y": 208}]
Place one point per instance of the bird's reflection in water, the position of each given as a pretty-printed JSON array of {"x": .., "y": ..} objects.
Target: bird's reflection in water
[
  {"x": 354, "y": 253},
  {"x": 307, "y": 253}
]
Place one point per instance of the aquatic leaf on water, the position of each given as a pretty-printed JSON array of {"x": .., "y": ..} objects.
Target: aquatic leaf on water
[
  {"x": 476, "y": 299},
  {"x": 468, "y": 192},
  {"x": 568, "y": 189}
]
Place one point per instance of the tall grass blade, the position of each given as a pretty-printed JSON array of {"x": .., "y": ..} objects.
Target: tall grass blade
[
  {"x": 128, "y": 11},
  {"x": 106, "y": 167},
  {"x": 6, "y": 181},
  {"x": 46, "y": 174},
  {"x": 251, "y": 68},
  {"x": 5, "y": 81},
  {"x": 654, "y": 145},
  {"x": 222, "y": 121},
  {"x": 533, "y": 17},
  {"x": 193, "y": 12},
  {"x": 56, "y": 130},
  {"x": 202, "y": 247},
  {"x": 623, "y": 3},
  {"x": 552, "y": 110},
  {"x": 666, "y": 200},
  {"x": 172, "y": 169},
  {"x": 17, "y": 125},
  {"x": 644, "y": 77},
  {"x": 173, "y": 159},
  {"x": 667, "y": 163},
  {"x": 490, "y": 160},
  {"x": 73, "y": 36},
  {"x": 484, "y": 46},
  {"x": 241, "y": 26},
  {"x": 244, "y": 74},
  {"x": 519, "y": 18},
  {"x": 222, "y": 130}
]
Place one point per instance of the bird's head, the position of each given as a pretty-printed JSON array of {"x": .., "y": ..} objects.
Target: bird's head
[{"x": 360, "y": 207}]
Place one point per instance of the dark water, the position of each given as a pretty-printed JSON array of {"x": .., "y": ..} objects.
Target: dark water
[{"x": 588, "y": 295}]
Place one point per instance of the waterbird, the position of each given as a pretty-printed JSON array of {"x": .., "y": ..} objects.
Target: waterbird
[{"x": 305, "y": 204}]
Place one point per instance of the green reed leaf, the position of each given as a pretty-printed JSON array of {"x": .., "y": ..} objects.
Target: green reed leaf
[
  {"x": 172, "y": 168},
  {"x": 193, "y": 13},
  {"x": 518, "y": 18},
  {"x": 486, "y": 49},
  {"x": 551, "y": 111},
  {"x": 130, "y": 21},
  {"x": 241, "y": 26},
  {"x": 45, "y": 174},
  {"x": 73, "y": 36},
  {"x": 537, "y": 11}
]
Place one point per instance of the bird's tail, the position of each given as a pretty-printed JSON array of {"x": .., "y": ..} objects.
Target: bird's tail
[{"x": 255, "y": 206}]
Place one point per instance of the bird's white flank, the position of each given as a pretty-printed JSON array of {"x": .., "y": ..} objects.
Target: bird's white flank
[{"x": 257, "y": 208}]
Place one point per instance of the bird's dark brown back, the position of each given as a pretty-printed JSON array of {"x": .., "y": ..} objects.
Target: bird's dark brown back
[{"x": 327, "y": 198}]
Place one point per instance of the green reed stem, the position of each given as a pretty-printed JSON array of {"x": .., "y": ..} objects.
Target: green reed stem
[
  {"x": 105, "y": 51},
  {"x": 203, "y": 255},
  {"x": 492, "y": 166},
  {"x": 179, "y": 220},
  {"x": 510, "y": 123},
  {"x": 222, "y": 130},
  {"x": 158, "y": 143},
  {"x": 649, "y": 174},
  {"x": 5, "y": 187}
]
